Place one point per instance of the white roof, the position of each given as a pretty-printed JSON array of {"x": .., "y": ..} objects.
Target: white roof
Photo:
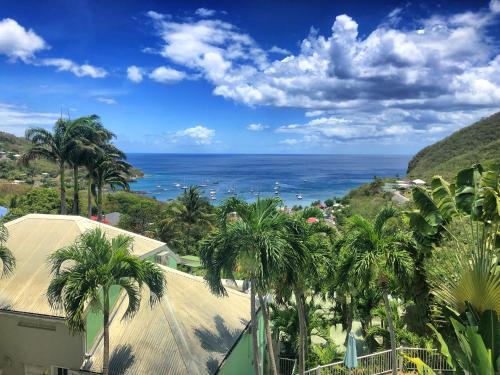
[
  {"x": 419, "y": 182},
  {"x": 32, "y": 238},
  {"x": 189, "y": 331}
]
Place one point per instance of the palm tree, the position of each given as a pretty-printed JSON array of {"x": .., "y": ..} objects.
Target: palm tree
[
  {"x": 6, "y": 256},
  {"x": 187, "y": 219},
  {"x": 250, "y": 240},
  {"x": 377, "y": 252},
  {"x": 84, "y": 272},
  {"x": 307, "y": 254},
  {"x": 93, "y": 135},
  {"x": 56, "y": 146},
  {"x": 108, "y": 168}
]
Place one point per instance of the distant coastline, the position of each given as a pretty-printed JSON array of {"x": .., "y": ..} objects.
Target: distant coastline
[{"x": 298, "y": 179}]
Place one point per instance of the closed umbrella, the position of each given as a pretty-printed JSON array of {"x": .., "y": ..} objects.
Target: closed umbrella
[{"x": 351, "y": 356}]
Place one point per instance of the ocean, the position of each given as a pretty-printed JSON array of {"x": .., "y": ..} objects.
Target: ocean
[{"x": 297, "y": 179}]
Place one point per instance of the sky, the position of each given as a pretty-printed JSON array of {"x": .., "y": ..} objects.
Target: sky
[{"x": 375, "y": 77}]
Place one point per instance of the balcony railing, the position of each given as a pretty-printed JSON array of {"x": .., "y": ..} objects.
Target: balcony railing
[{"x": 380, "y": 363}]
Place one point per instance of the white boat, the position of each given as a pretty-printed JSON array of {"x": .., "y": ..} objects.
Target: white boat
[
  {"x": 299, "y": 196},
  {"x": 276, "y": 183},
  {"x": 276, "y": 192},
  {"x": 185, "y": 187},
  {"x": 177, "y": 185},
  {"x": 212, "y": 192},
  {"x": 213, "y": 198}
]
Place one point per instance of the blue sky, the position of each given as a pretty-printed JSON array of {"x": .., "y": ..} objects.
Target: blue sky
[{"x": 253, "y": 77}]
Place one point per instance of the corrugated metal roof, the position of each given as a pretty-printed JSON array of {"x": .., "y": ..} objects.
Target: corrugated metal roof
[
  {"x": 189, "y": 332},
  {"x": 32, "y": 238}
]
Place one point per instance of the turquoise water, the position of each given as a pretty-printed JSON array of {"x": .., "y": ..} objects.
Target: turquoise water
[{"x": 312, "y": 177}]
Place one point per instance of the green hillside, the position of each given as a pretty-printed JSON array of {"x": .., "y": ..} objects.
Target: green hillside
[
  {"x": 11, "y": 143},
  {"x": 479, "y": 142}
]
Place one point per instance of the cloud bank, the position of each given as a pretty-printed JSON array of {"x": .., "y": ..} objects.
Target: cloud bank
[{"x": 393, "y": 83}]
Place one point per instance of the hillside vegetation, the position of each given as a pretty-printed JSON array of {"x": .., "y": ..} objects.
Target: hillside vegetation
[{"x": 477, "y": 143}]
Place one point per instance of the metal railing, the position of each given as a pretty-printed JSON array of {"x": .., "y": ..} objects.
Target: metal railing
[
  {"x": 286, "y": 366},
  {"x": 381, "y": 363}
]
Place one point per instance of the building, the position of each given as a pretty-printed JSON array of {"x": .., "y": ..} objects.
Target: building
[{"x": 190, "y": 331}]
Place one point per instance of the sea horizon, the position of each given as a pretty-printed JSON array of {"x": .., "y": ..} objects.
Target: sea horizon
[{"x": 298, "y": 179}]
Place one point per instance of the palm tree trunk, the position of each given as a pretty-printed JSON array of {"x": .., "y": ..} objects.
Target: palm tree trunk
[
  {"x": 270, "y": 349},
  {"x": 99, "y": 203},
  {"x": 63, "y": 188},
  {"x": 302, "y": 330},
  {"x": 76, "y": 198},
  {"x": 349, "y": 317},
  {"x": 390, "y": 327},
  {"x": 105, "y": 357},
  {"x": 254, "y": 326},
  {"x": 89, "y": 197}
]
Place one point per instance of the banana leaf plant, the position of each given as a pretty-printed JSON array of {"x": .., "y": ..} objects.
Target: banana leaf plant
[
  {"x": 470, "y": 296},
  {"x": 473, "y": 349},
  {"x": 473, "y": 200}
]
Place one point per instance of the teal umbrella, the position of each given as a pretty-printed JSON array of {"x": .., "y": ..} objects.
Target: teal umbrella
[{"x": 351, "y": 356}]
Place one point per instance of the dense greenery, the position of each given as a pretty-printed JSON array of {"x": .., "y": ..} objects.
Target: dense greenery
[
  {"x": 385, "y": 272},
  {"x": 478, "y": 143},
  {"x": 467, "y": 297},
  {"x": 80, "y": 143}
]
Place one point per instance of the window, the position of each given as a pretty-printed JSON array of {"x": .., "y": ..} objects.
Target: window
[{"x": 60, "y": 371}]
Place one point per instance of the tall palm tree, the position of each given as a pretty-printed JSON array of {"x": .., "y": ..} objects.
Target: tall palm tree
[
  {"x": 108, "y": 168},
  {"x": 251, "y": 240},
  {"x": 56, "y": 146},
  {"x": 94, "y": 136},
  {"x": 307, "y": 254},
  {"x": 6, "y": 256},
  {"x": 378, "y": 252},
  {"x": 84, "y": 272}
]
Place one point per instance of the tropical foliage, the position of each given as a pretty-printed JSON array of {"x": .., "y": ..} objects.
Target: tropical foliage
[
  {"x": 6, "y": 257},
  {"x": 83, "y": 142},
  {"x": 84, "y": 273},
  {"x": 467, "y": 298}
]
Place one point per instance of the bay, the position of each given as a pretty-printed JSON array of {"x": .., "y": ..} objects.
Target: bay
[{"x": 291, "y": 177}]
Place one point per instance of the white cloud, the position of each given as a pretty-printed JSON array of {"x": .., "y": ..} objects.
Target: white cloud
[
  {"x": 156, "y": 16},
  {"x": 134, "y": 74},
  {"x": 16, "y": 119},
  {"x": 433, "y": 67},
  {"x": 204, "y": 12},
  {"x": 256, "y": 127},
  {"x": 164, "y": 74},
  {"x": 279, "y": 50},
  {"x": 200, "y": 135},
  {"x": 18, "y": 43},
  {"x": 108, "y": 101},
  {"x": 66, "y": 65},
  {"x": 391, "y": 125},
  {"x": 290, "y": 141},
  {"x": 495, "y": 6}
]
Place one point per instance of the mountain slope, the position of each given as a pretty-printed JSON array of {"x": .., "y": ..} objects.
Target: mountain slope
[
  {"x": 11, "y": 143},
  {"x": 479, "y": 142}
]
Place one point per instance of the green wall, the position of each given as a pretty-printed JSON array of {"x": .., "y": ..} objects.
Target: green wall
[
  {"x": 94, "y": 319},
  {"x": 240, "y": 360}
]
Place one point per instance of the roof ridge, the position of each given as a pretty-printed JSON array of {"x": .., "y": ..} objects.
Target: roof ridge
[
  {"x": 199, "y": 279},
  {"x": 79, "y": 219}
]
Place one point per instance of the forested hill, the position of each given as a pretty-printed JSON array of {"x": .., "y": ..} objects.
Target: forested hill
[
  {"x": 11, "y": 143},
  {"x": 479, "y": 142}
]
